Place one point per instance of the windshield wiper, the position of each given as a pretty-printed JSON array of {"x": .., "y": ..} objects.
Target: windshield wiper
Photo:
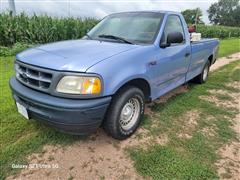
[
  {"x": 88, "y": 36},
  {"x": 115, "y": 38}
]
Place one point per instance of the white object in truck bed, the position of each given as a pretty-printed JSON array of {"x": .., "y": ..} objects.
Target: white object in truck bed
[{"x": 195, "y": 37}]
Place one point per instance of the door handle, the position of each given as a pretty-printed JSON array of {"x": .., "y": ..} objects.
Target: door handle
[
  {"x": 152, "y": 63},
  {"x": 187, "y": 54}
]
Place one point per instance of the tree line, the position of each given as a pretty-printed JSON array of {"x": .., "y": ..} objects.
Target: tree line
[{"x": 223, "y": 12}]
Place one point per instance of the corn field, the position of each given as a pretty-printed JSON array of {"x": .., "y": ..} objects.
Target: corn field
[
  {"x": 220, "y": 32},
  {"x": 43, "y": 29}
]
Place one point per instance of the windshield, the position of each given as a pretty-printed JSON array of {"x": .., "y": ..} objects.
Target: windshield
[{"x": 139, "y": 28}]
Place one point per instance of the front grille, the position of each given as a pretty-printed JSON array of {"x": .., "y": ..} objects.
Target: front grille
[{"x": 33, "y": 77}]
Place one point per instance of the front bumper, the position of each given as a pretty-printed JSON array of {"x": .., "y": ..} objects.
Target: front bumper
[{"x": 73, "y": 116}]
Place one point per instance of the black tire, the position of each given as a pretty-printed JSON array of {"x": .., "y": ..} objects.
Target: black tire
[
  {"x": 112, "y": 124},
  {"x": 200, "y": 79}
]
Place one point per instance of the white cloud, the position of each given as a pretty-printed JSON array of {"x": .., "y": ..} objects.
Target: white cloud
[{"x": 100, "y": 8}]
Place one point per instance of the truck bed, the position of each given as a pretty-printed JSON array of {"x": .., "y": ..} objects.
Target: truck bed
[{"x": 204, "y": 40}]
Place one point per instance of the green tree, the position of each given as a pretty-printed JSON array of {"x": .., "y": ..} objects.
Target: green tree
[
  {"x": 193, "y": 16},
  {"x": 225, "y": 12}
]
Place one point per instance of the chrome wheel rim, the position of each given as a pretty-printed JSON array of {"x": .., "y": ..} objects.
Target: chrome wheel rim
[
  {"x": 129, "y": 114},
  {"x": 205, "y": 73}
]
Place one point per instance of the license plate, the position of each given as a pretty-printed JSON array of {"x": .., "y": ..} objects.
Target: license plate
[{"x": 22, "y": 110}]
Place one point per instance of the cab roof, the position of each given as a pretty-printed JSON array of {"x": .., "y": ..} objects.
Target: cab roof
[{"x": 149, "y": 11}]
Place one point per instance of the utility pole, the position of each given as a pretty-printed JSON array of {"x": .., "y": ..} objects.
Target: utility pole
[
  {"x": 196, "y": 18},
  {"x": 12, "y": 7}
]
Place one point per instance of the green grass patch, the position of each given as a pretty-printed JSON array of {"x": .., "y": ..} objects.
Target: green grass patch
[
  {"x": 167, "y": 163},
  {"x": 224, "y": 97},
  {"x": 194, "y": 157},
  {"x": 146, "y": 121},
  {"x": 236, "y": 75},
  {"x": 16, "y": 48},
  {"x": 229, "y": 46}
]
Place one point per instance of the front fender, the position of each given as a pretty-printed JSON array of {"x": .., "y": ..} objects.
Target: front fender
[
  {"x": 123, "y": 68},
  {"x": 118, "y": 85}
]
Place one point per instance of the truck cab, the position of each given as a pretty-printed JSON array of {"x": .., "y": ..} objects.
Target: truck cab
[{"x": 105, "y": 78}]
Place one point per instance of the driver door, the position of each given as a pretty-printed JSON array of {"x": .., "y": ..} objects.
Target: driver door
[{"x": 171, "y": 65}]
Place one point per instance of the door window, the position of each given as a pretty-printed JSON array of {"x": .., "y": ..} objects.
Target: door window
[{"x": 173, "y": 24}]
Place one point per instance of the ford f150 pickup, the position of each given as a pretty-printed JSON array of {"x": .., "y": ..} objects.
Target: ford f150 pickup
[{"x": 106, "y": 77}]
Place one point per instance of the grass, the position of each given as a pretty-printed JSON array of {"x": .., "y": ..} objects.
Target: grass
[
  {"x": 16, "y": 48},
  {"x": 229, "y": 46},
  {"x": 19, "y": 137},
  {"x": 194, "y": 157},
  {"x": 167, "y": 163},
  {"x": 224, "y": 97}
]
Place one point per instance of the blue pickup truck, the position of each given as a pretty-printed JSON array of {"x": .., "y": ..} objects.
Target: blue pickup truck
[{"x": 105, "y": 78}]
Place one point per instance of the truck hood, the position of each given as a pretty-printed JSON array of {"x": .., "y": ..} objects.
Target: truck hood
[{"x": 72, "y": 55}]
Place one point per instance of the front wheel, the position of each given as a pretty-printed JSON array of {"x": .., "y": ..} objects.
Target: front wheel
[
  {"x": 124, "y": 113},
  {"x": 202, "y": 78}
]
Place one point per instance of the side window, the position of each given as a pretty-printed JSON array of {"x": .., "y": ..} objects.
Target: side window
[{"x": 173, "y": 24}]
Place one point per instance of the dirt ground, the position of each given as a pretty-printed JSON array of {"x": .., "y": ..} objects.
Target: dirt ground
[
  {"x": 229, "y": 164},
  {"x": 101, "y": 157}
]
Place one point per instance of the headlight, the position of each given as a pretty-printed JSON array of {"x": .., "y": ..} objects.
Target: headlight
[{"x": 79, "y": 85}]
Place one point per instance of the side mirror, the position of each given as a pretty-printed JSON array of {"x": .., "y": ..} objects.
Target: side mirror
[{"x": 173, "y": 37}]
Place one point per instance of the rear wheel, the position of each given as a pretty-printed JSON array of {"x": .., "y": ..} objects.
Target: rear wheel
[
  {"x": 124, "y": 113},
  {"x": 202, "y": 78}
]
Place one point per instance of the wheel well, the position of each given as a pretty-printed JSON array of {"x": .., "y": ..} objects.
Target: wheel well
[
  {"x": 210, "y": 58},
  {"x": 141, "y": 84}
]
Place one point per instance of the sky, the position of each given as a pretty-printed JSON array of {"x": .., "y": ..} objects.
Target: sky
[{"x": 101, "y": 8}]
